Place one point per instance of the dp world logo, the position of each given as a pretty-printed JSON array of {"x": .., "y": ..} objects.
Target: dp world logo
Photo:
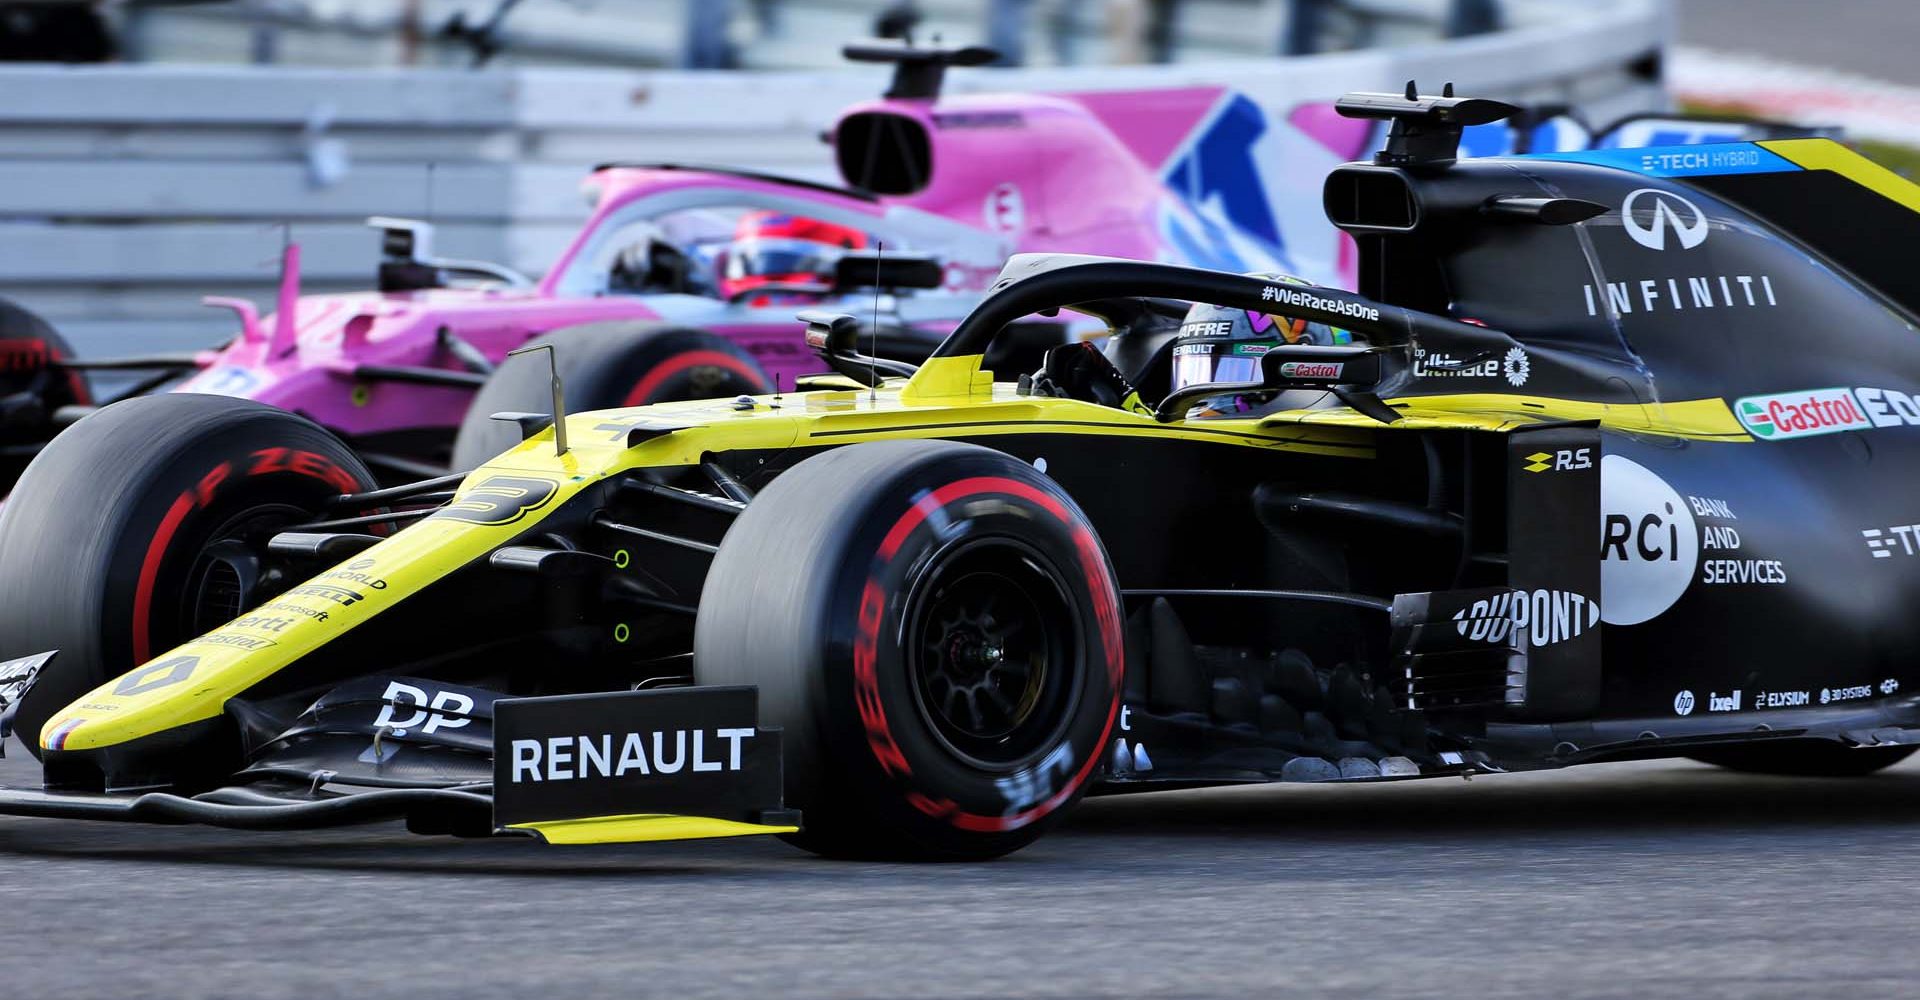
[{"x": 1660, "y": 212}]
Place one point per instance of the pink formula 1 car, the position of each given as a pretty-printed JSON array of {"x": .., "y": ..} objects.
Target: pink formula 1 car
[{"x": 684, "y": 281}]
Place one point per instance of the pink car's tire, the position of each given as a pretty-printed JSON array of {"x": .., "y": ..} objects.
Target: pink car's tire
[
  {"x": 102, "y": 542},
  {"x": 938, "y": 631},
  {"x": 27, "y": 345},
  {"x": 1805, "y": 758},
  {"x": 605, "y": 365}
]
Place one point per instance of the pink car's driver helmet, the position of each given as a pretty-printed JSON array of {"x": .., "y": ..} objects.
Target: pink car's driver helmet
[{"x": 779, "y": 248}]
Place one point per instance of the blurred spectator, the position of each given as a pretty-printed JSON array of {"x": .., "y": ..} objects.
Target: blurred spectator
[
  {"x": 1063, "y": 24},
  {"x": 1162, "y": 19},
  {"x": 709, "y": 45},
  {"x": 1136, "y": 30},
  {"x": 1473, "y": 17},
  {"x": 897, "y": 21},
  {"x": 1306, "y": 22},
  {"x": 61, "y": 31},
  {"x": 1007, "y": 30}
]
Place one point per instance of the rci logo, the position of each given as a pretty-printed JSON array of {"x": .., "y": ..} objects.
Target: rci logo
[
  {"x": 1649, "y": 545},
  {"x": 1667, "y": 211}
]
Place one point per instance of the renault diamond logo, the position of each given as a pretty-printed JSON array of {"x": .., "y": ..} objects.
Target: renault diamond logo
[
  {"x": 157, "y": 675},
  {"x": 1539, "y": 461},
  {"x": 1661, "y": 211}
]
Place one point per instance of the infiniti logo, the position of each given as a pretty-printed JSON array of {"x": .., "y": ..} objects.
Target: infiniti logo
[{"x": 1669, "y": 211}]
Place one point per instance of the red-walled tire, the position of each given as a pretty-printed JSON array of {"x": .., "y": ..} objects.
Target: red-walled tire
[
  {"x": 103, "y": 541},
  {"x": 605, "y": 365},
  {"x": 938, "y": 631},
  {"x": 27, "y": 345}
]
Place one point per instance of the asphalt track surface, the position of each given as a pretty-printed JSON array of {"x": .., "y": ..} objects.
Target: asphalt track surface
[{"x": 1625, "y": 880}]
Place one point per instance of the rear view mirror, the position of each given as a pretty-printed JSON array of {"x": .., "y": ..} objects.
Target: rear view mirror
[
  {"x": 835, "y": 336},
  {"x": 864, "y": 269}
]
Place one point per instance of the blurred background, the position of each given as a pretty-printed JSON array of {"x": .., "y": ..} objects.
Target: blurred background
[{"x": 155, "y": 151}]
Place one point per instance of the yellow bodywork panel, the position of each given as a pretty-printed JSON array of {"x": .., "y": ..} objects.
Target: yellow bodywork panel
[
  {"x": 1825, "y": 154},
  {"x": 950, "y": 379},
  {"x": 949, "y": 398},
  {"x": 643, "y": 827},
  {"x": 1696, "y": 419}
]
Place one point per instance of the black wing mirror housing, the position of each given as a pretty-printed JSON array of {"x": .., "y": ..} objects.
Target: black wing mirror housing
[
  {"x": 866, "y": 269},
  {"x": 835, "y": 337}
]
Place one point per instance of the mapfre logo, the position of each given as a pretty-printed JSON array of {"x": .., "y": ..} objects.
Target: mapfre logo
[{"x": 1649, "y": 214}]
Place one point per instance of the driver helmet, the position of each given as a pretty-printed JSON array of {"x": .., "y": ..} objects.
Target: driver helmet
[
  {"x": 781, "y": 248},
  {"x": 1218, "y": 344}
]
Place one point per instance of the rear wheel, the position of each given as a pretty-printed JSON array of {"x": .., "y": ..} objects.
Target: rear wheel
[
  {"x": 125, "y": 536},
  {"x": 605, "y": 365},
  {"x": 937, "y": 629},
  {"x": 30, "y": 389},
  {"x": 1806, "y": 758}
]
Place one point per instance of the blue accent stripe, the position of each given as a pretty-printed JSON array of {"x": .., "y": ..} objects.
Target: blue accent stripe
[{"x": 1680, "y": 161}]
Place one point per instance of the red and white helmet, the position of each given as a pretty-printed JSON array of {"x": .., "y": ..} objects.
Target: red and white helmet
[{"x": 776, "y": 248}]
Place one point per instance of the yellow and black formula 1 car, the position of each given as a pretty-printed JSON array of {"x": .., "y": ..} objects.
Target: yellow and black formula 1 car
[{"x": 917, "y": 612}]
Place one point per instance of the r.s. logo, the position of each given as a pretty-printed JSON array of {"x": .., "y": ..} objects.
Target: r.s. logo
[{"x": 500, "y": 500}]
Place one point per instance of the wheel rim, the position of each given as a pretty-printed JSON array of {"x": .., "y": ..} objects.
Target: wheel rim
[
  {"x": 225, "y": 578},
  {"x": 991, "y": 653}
]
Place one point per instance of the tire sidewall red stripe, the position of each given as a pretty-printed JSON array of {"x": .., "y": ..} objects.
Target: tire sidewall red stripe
[
  {"x": 887, "y": 752},
  {"x": 213, "y": 486},
  {"x": 660, "y": 374}
]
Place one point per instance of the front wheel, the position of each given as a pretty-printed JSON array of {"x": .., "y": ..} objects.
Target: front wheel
[
  {"x": 937, "y": 629},
  {"x": 111, "y": 544},
  {"x": 1805, "y": 758}
]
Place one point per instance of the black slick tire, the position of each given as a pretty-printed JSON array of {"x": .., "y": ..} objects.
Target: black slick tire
[
  {"x": 1805, "y": 758},
  {"x": 103, "y": 541},
  {"x": 938, "y": 631},
  {"x": 605, "y": 365}
]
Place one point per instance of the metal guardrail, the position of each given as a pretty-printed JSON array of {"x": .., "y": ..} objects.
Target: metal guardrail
[{"x": 128, "y": 192}]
